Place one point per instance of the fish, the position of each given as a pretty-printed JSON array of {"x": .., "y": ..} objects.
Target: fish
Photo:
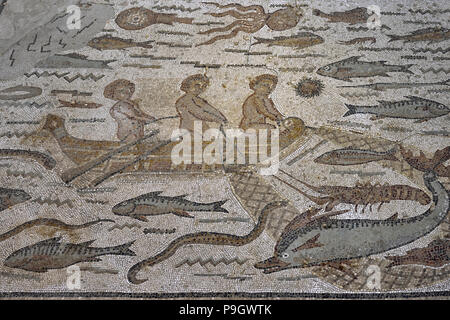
[
  {"x": 79, "y": 104},
  {"x": 109, "y": 42},
  {"x": 11, "y": 197},
  {"x": 381, "y": 86},
  {"x": 27, "y": 92},
  {"x": 319, "y": 240},
  {"x": 151, "y": 204},
  {"x": 53, "y": 254},
  {"x": 432, "y": 35},
  {"x": 436, "y": 254},
  {"x": 353, "y": 68},
  {"x": 299, "y": 41},
  {"x": 413, "y": 108},
  {"x": 349, "y": 156},
  {"x": 73, "y": 60},
  {"x": 358, "y": 40},
  {"x": 353, "y": 16}
]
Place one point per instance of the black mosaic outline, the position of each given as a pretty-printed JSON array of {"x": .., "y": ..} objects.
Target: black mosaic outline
[{"x": 251, "y": 295}]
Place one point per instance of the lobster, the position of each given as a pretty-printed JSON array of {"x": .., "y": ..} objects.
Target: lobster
[{"x": 362, "y": 194}]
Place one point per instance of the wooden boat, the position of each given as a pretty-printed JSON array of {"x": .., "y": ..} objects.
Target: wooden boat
[{"x": 82, "y": 151}]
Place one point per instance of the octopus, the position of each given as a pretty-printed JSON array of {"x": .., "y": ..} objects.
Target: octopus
[
  {"x": 250, "y": 19},
  {"x": 140, "y": 18}
]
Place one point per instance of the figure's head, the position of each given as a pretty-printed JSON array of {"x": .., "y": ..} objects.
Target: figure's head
[
  {"x": 284, "y": 19},
  {"x": 195, "y": 84},
  {"x": 119, "y": 90},
  {"x": 264, "y": 83}
]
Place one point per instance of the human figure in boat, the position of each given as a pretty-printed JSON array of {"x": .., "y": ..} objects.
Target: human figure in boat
[
  {"x": 258, "y": 108},
  {"x": 130, "y": 119},
  {"x": 192, "y": 108}
]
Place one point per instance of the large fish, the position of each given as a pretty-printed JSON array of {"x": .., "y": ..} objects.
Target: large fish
[
  {"x": 151, "y": 204},
  {"x": 349, "y": 157},
  {"x": 353, "y": 16},
  {"x": 299, "y": 41},
  {"x": 52, "y": 254},
  {"x": 413, "y": 108},
  {"x": 311, "y": 240},
  {"x": 113, "y": 43},
  {"x": 434, "y": 34},
  {"x": 11, "y": 197},
  {"x": 353, "y": 68}
]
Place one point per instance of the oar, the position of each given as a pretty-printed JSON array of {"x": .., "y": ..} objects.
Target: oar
[
  {"x": 73, "y": 173},
  {"x": 159, "y": 119},
  {"x": 108, "y": 175}
]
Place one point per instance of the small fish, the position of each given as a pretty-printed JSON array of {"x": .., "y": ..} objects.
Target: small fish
[
  {"x": 353, "y": 16},
  {"x": 353, "y": 68},
  {"x": 113, "y": 43},
  {"x": 381, "y": 86},
  {"x": 413, "y": 108},
  {"x": 434, "y": 34},
  {"x": 79, "y": 104},
  {"x": 52, "y": 254},
  {"x": 436, "y": 254},
  {"x": 11, "y": 197},
  {"x": 359, "y": 40},
  {"x": 25, "y": 92},
  {"x": 72, "y": 60},
  {"x": 152, "y": 203},
  {"x": 349, "y": 157},
  {"x": 299, "y": 41}
]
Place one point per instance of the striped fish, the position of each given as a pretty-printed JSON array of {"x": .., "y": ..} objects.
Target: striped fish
[{"x": 52, "y": 254}]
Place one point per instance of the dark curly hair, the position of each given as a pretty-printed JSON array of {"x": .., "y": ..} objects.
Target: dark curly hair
[
  {"x": 186, "y": 84},
  {"x": 270, "y": 77}
]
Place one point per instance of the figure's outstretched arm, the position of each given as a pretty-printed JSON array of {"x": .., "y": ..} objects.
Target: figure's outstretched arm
[
  {"x": 210, "y": 111},
  {"x": 261, "y": 107},
  {"x": 270, "y": 106}
]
